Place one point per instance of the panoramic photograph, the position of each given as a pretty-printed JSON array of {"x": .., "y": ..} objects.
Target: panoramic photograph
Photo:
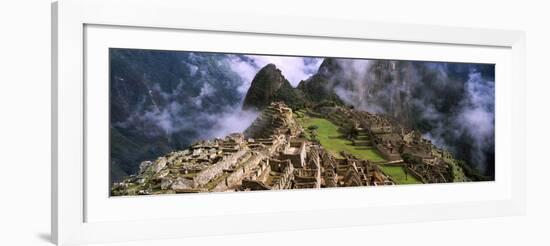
[{"x": 193, "y": 122}]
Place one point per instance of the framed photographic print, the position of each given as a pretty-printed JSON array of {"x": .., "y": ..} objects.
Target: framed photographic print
[{"x": 169, "y": 125}]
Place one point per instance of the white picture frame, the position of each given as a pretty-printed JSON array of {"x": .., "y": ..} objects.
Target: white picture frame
[{"x": 81, "y": 213}]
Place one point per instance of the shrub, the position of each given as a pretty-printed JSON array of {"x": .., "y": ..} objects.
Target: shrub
[
  {"x": 349, "y": 131},
  {"x": 313, "y": 127}
]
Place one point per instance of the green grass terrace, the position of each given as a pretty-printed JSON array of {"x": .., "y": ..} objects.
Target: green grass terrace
[
  {"x": 332, "y": 140},
  {"x": 399, "y": 174},
  {"x": 329, "y": 136}
]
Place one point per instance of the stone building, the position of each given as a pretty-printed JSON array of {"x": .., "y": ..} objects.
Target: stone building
[
  {"x": 269, "y": 156},
  {"x": 295, "y": 151}
]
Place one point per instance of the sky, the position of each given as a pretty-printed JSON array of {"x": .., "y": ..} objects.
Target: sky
[{"x": 295, "y": 69}]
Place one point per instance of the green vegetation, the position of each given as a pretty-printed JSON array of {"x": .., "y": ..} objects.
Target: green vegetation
[
  {"x": 399, "y": 174},
  {"x": 471, "y": 172},
  {"x": 269, "y": 85},
  {"x": 350, "y": 131},
  {"x": 455, "y": 171},
  {"x": 326, "y": 103},
  {"x": 312, "y": 127},
  {"x": 315, "y": 91},
  {"x": 331, "y": 138},
  {"x": 292, "y": 97}
]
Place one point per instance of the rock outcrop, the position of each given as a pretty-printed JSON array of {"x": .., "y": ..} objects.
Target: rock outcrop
[
  {"x": 270, "y": 85},
  {"x": 276, "y": 119}
]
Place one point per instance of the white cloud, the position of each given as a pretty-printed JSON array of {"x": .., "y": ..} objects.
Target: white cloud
[
  {"x": 295, "y": 69},
  {"x": 231, "y": 121}
]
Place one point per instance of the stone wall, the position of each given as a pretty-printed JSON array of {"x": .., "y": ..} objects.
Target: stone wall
[
  {"x": 204, "y": 176},
  {"x": 248, "y": 184},
  {"x": 283, "y": 179},
  {"x": 239, "y": 173},
  {"x": 385, "y": 152},
  {"x": 297, "y": 160}
]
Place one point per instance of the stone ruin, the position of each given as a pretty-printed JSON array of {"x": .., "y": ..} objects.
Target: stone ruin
[
  {"x": 269, "y": 155},
  {"x": 425, "y": 161},
  {"x": 277, "y": 119}
]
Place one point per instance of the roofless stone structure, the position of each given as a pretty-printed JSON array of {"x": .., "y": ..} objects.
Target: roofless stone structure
[{"x": 272, "y": 154}]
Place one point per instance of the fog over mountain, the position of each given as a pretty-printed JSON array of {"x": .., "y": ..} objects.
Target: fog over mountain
[
  {"x": 164, "y": 100},
  {"x": 450, "y": 103},
  {"x": 295, "y": 69}
]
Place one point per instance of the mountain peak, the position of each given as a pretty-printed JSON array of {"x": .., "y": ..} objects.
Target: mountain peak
[
  {"x": 270, "y": 66},
  {"x": 329, "y": 67},
  {"x": 265, "y": 87}
]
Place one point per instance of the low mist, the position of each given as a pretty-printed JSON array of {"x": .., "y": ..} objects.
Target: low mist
[
  {"x": 452, "y": 104},
  {"x": 165, "y": 100}
]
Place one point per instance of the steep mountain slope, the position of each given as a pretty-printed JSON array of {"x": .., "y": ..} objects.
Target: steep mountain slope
[
  {"x": 270, "y": 85},
  {"x": 451, "y": 103},
  {"x": 320, "y": 86},
  {"x": 164, "y": 100}
]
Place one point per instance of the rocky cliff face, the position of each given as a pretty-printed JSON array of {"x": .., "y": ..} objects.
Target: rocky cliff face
[{"x": 270, "y": 85}]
